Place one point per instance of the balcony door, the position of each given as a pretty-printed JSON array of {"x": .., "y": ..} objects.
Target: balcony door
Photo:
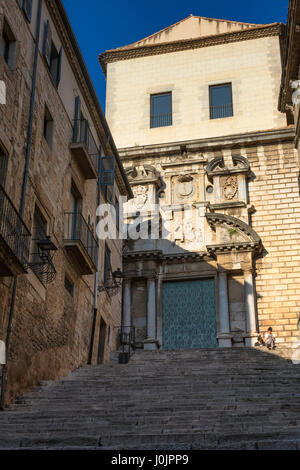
[{"x": 75, "y": 209}]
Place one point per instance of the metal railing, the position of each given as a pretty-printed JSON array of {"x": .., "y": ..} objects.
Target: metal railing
[
  {"x": 161, "y": 120},
  {"x": 126, "y": 340},
  {"x": 12, "y": 228},
  {"x": 217, "y": 112},
  {"x": 82, "y": 135},
  {"x": 77, "y": 229}
]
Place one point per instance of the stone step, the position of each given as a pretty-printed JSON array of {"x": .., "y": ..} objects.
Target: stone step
[
  {"x": 206, "y": 399},
  {"x": 122, "y": 441}
]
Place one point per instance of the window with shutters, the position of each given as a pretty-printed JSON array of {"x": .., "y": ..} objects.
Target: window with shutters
[
  {"x": 48, "y": 127},
  {"x": 107, "y": 177},
  {"x": 52, "y": 57},
  {"x": 8, "y": 45},
  {"x": 26, "y": 6}
]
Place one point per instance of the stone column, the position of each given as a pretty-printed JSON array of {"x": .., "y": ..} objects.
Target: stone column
[
  {"x": 251, "y": 334},
  {"x": 224, "y": 336},
  {"x": 127, "y": 305},
  {"x": 151, "y": 342}
]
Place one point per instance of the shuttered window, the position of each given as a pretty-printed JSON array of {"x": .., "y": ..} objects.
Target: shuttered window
[{"x": 52, "y": 57}]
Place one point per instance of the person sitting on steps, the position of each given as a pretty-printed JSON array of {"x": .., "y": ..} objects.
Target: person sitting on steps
[
  {"x": 270, "y": 339},
  {"x": 260, "y": 341}
]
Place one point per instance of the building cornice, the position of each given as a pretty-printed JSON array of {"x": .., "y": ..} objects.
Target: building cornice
[
  {"x": 128, "y": 52},
  {"x": 247, "y": 139}
]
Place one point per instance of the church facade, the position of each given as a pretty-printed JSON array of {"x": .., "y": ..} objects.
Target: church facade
[{"x": 214, "y": 172}]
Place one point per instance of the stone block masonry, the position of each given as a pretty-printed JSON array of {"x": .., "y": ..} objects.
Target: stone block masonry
[{"x": 274, "y": 192}]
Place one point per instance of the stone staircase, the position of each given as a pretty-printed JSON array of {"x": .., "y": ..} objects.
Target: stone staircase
[{"x": 166, "y": 400}]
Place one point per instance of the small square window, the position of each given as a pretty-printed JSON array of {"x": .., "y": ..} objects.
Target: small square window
[
  {"x": 8, "y": 45},
  {"x": 161, "y": 110},
  {"x": 220, "y": 97},
  {"x": 48, "y": 127}
]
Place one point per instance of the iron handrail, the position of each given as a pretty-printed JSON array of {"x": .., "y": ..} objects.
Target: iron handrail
[
  {"x": 126, "y": 336},
  {"x": 13, "y": 229},
  {"x": 82, "y": 134},
  {"x": 77, "y": 229},
  {"x": 222, "y": 111},
  {"x": 161, "y": 120}
]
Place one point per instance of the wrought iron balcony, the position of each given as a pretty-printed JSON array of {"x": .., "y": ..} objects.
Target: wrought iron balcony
[
  {"x": 80, "y": 243},
  {"x": 222, "y": 111},
  {"x": 14, "y": 238},
  {"x": 84, "y": 148},
  {"x": 161, "y": 120}
]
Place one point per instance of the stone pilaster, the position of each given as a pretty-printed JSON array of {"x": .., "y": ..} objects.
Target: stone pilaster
[
  {"x": 151, "y": 341},
  {"x": 251, "y": 334},
  {"x": 127, "y": 305},
  {"x": 224, "y": 336}
]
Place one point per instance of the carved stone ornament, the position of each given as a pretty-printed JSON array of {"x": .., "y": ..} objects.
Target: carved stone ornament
[
  {"x": 230, "y": 188},
  {"x": 185, "y": 187},
  {"x": 140, "y": 196}
]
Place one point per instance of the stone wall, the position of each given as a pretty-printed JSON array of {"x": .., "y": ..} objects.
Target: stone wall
[
  {"x": 274, "y": 192},
  {"x": 51, "y": 331}
]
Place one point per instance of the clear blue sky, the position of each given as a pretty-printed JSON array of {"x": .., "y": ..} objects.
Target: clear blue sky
[{"x": 106, "y": 24}]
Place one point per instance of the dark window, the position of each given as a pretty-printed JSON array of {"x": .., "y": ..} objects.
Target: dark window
[
  {"x": 69, "y": 286},
  {"x": 26, "y": 5},
  {"x": 8, "y": 45},
  {"x": 220, "y": 97},
  {"x": 3, "y": 167},
  {"x": 107, "y": 265},
  {"x": 161, "y": 110},
  {"x": 48, "y": 127},
  {"x": 52, "y": 56},
  {"x": 54, "y": 61}
]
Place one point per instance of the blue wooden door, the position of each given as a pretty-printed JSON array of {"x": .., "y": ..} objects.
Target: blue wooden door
[{"x": 189, "y": 314}]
